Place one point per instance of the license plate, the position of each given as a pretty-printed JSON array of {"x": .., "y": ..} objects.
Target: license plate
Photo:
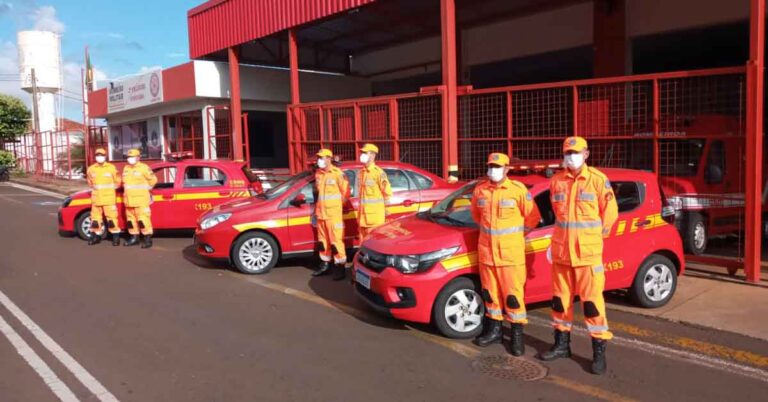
[{"x": 363, "y": 279}]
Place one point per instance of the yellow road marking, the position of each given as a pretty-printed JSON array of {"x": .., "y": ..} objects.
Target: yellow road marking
[{"x": 461, "y": 349}]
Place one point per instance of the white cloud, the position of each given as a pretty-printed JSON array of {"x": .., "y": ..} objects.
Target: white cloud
[
  {"x": 115, "y": 35},
  {"x": 44, "y": 19},
  {"x": 176, "y": 55},
  {"x": 146, "y": 69},
  {"x": 10, "y": 83}
]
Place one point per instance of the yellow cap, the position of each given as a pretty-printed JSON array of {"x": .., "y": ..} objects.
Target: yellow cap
[
  {"x": 134, "y": 152},
  {"x": 577, "y": 144},
  {"x": 101, "y": 151},
  {"x": 324, "y": 152},
  {"x": 498, "y": 158},
  {"x": 370, "y": 148}
]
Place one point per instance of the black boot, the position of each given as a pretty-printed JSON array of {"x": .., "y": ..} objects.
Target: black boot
[
  {"x": 115, "y": 239},
  {"x": 323, "y": 269},
  {"x": 491, "y": 333},
  {"x": 598, "y": 356},
  {"x": 132, "y": 241},
  {"x": 94, "y": 238},
  {"x": 147, "y": 241},
  {"x": 517, "y": 347},
  {"x": 561, "y": 348},
  {"x": 339, "y": 272}
]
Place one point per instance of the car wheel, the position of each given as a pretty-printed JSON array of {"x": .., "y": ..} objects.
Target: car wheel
[
  {"x": 458, "y": 311},
  {"x": 255, "y": 253},
  {"x": 5, "y": 175},
  {"x": 83, "y": 226},
  {"x": 655, "y": 282},
  {"x": 695, "y": 234}
]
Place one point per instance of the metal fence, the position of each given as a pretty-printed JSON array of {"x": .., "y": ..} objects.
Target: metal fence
[
  {"x": 55, "y": 154},
  {"x": 630, "y": 121}
]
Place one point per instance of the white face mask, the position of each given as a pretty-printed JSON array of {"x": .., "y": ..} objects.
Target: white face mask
[
  {"x": 364, "y": 158},
  {"x": 132, "y": 160},
  {"x": 321, "y": 163},
  {"x": 574, "y": 161},
  {"x": 496, "y": 174},
  {"x": 101, "y": 159}
]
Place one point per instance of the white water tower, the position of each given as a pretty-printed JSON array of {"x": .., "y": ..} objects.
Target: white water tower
[{"x": 41, "y": 51}]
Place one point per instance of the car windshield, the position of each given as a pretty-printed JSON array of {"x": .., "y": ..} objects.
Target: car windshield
[
  {"x": 281, "y": 188},
  {"x": 453, "y": 210}
]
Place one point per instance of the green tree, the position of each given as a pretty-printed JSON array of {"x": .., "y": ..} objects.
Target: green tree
[
  {"x": 14, "y": 117},
  {"x": 7, "y": 159}
]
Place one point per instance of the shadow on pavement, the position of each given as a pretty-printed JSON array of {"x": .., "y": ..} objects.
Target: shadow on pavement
[{"x": 190, "y": 254}]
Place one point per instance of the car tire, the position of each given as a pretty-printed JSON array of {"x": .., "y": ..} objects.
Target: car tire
[
  {"x": 449, "y": 321},
  {"x": 82, "y": 223},
  {"x": 695, "y": 233},
  {"x": 5, "y": 175},
  {"x": 655, "y": 282},
  {"x": 255, "y": 253}
]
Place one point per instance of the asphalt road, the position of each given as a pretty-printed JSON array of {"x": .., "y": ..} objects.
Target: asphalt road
[{"x": 116, "y": 323}]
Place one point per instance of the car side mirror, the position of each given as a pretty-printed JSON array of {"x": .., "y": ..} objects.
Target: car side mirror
[
  {"x": 713, "y": 174},
  {"x": 299, "y": 200}
]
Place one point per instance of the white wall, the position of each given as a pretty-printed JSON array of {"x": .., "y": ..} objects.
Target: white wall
[{"x": 273, "y": 85}]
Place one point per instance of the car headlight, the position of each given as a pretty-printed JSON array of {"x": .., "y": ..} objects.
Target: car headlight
[
  {"x": 66, "y": 202},
  {"x": 214, "y": 220},
  {"x": 409, "y": 264}
]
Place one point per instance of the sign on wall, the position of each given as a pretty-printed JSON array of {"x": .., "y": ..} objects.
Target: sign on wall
[{"x": 135, "y": 91}]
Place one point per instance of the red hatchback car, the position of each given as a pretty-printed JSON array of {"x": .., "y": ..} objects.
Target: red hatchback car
[
  {"x": 185, "y": 189},
  {"x": 424, "y": 268},
  {"x": 254, "y": 234}
]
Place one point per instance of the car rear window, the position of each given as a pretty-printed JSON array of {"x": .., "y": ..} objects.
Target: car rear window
[
  {"x": 203, "y": 176},
  {"x": 629, "y": 194}
]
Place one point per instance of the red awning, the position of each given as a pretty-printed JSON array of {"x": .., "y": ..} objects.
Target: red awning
[{"x": 218, "y": 24}]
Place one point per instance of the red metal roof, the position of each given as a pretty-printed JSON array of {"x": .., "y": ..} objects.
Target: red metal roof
[{"x": 218, "y": 24}]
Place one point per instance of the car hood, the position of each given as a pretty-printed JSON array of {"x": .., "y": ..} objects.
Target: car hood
[
  {"x": 241, "y": 205},
  {"x": 81, "y": 194},
  {"x": 415, "y": 235}
]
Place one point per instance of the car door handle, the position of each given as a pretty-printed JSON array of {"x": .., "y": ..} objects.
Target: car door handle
[
  {"x": 224, "y": 193},
  {"x": 407, "y": 203},
  {"x": 167, "y": 196},
  {"x": 643, "y": 223}
]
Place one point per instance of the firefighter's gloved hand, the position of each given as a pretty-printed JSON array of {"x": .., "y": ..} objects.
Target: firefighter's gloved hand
[
  {"x": 313, "y": 220},
  {"x": 549, "y": 254}
]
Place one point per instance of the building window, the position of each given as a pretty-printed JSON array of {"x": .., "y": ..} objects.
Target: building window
[{"x": 142, "y": 135}]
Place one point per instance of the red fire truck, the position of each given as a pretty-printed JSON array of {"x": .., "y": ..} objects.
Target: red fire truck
[{"x": 701, "y": 173}]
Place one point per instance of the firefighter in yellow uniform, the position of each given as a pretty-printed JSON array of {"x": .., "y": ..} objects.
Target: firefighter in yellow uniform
[
  {"x": 103, "y": 180},
  {"x": 504, "y": 211},
  {"x": 138, "y": 180},
  {"x": 374, "y": 192},
  {"x": 585, "y": 210},
  {"x": 332, "y": 190}
]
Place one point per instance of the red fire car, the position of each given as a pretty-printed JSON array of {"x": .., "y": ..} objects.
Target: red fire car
[
  {"x": 424, "y": 268},
  {"x": 185, "y": 189},
  {"x": 253, "y": 234}
]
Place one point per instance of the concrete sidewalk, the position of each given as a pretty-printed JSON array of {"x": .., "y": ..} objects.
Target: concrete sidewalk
[
  {"x": 708, "y": 298},
  {"x": 61, "y": 186}
]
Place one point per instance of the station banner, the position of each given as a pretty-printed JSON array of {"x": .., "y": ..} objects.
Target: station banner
[{"x": 135, "y": 91}]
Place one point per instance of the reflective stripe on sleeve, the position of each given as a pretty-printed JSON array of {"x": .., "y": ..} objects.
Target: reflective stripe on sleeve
[
  {"x": 496, "y": 232},
  {"x": 579, "y": 225}
]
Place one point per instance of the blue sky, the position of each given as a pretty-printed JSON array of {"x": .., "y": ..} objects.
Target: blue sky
[{"x": 124, "y": 37}]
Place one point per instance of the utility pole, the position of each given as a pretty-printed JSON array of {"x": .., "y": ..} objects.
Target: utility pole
[
  {"x": 36, "y": 118},
  {"x": 36, "y": 125}
]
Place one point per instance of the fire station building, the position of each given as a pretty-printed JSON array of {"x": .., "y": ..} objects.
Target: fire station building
[{"x": 669, "y": 86}]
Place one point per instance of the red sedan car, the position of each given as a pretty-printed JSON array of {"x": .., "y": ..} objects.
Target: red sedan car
[
  {"x": 424, "y": 268},
  {"x": 254, "y": 234},
  {"x": 185, "y": 189}
]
